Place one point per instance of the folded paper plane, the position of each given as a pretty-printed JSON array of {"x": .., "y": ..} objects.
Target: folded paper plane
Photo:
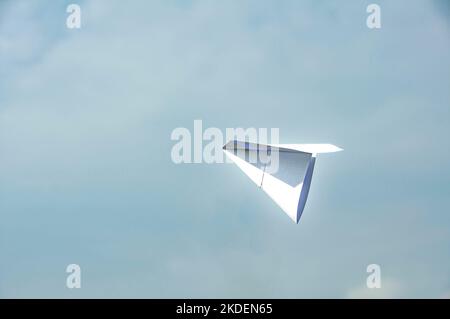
[{"x": 283, "y": 171}]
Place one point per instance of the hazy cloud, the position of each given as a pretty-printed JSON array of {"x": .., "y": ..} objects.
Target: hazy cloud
[{"x": 85, "y": 169}]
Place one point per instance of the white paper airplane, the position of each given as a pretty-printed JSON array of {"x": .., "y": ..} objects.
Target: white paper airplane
[{"x": 283, "y": 171}]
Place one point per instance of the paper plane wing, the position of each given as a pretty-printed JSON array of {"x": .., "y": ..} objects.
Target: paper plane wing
[{"x": 283, "y": 171}]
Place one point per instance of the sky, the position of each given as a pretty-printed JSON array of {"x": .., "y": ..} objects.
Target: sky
[{"x": 86, "y": 175}]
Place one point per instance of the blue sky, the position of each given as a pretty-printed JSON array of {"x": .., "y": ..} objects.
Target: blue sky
[{"x": 86, "y": 175}]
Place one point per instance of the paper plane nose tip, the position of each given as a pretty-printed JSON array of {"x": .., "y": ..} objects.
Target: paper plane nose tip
[{"x": 228, "y": 145}]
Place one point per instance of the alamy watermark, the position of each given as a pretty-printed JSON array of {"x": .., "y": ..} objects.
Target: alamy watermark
[
  {"x": 74, "y": 278},
  {"x": 206, "y": 145},
  {"x": 374, "y": 279},
  {"x": 373, "y": 20},
  {"x": 73, "y": 20}
]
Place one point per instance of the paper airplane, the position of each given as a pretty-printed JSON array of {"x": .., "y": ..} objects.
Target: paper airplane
[{"x": 283, "y": 171}]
